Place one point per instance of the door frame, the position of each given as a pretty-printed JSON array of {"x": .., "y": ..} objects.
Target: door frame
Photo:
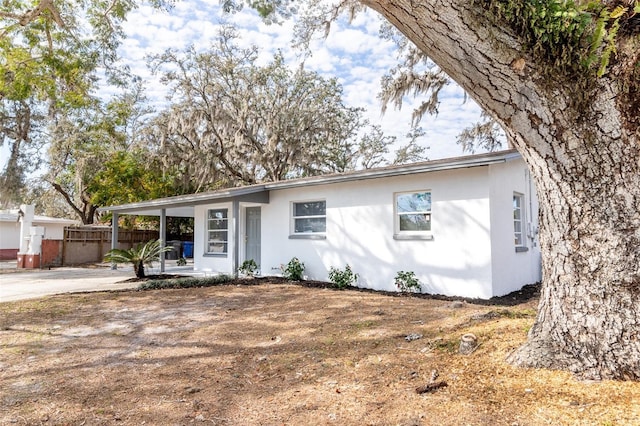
[{"x": 245, "y": 251}]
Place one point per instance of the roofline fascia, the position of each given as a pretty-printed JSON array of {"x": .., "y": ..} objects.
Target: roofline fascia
[
  {"x": 185, "y": 200},
  {"x": 209, "y": 197},
  {"x": 398, "y": 171}
]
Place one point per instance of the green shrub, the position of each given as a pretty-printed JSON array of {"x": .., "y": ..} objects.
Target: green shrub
[
  {"x": 181, "y": 262},
  {"x": 293, "y": 270},
  {"x": 138, "y": 256},
  {"x": 407, "y": 282},
  {"x": 187, "y": 282},
  {"x": 342, "y": 278},
  {"x": 248, "y": 268}
]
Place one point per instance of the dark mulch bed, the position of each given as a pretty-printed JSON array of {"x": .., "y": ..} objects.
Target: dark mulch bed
[
  {"x": 154, "y": 277},
  {"x": 524, "y": 295}
]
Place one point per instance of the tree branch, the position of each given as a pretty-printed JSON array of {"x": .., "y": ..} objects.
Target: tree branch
[
  {"x": 68, "y": 199},
  {"x": 31, "y": 15}
]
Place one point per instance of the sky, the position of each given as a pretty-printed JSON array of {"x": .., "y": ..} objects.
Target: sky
[{"x": 353, "y": 53}]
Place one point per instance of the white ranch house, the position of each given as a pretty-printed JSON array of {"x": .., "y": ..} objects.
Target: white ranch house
[{"x": 465, "y": 226}]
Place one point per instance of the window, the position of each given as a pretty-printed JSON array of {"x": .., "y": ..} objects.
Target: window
[
  {"x": 310, "y": 217},
  {"x": 217, "y": 231},
  {"x": 413, "y": 213},
  {"x": 518, "y": 219}
]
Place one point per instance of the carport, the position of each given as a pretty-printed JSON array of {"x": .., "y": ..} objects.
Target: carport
[{"x": 183, "y": 206}]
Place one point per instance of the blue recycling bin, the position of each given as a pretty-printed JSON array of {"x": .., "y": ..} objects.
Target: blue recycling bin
[{"x": 187, "y": 248}]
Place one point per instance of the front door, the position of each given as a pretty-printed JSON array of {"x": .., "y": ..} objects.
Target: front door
[{"x": 252, "y": 235}]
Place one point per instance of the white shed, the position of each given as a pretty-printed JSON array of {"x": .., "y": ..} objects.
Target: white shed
[{"x": 466, "y": 226}]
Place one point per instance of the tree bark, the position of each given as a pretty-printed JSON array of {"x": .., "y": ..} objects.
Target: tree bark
[
  {"x": 138, "y": 269},
  {"x": 585, "y": 160},
  {"x": 88, "y": 211}
]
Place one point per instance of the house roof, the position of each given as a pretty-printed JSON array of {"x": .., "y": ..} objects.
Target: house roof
[
  {"x": 182, "y": 205},
  {"x": 12, "y": 216}
]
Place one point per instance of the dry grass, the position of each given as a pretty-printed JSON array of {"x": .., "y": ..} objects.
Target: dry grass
[{"x": 280, "y": 354}]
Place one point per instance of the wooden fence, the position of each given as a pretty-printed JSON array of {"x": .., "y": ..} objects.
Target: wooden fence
[{"x": 88, "y": 244}]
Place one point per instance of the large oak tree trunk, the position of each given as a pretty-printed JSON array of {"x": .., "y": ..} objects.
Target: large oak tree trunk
[
  {"x": 585, "y": 159},
  {"x": 589, "y": 317}
]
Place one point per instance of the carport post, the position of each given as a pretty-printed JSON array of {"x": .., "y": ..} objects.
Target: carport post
[
  {"x": 163, "y": 236},
  {"x": 114, "y": 236},
  {"x": 235, "y": 213}
]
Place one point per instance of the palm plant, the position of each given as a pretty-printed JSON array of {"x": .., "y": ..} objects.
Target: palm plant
[{"x": 142, "y": 254}]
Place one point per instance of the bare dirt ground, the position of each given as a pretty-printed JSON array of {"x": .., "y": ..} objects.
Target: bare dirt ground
[{"x": 281, "y": 354}]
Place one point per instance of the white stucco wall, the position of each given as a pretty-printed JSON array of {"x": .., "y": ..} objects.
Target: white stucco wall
[
  {"x": 360, "y": 229},
  {"x": 52, "y": 231},
  {"x": 10, "y": 232},
  {"x": 511, "y": 269},
  {"x": 211, "y": 263},
  {"x": 9, "y": 235},
  {"x": 472, "y": 253}
]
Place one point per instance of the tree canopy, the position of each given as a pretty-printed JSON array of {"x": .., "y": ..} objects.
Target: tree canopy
[
  {"x": 247, "y": 123},
  {"x": 49, "y": 58}
]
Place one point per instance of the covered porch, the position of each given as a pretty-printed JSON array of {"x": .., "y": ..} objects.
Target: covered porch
[{"x": 185, "y": 207}]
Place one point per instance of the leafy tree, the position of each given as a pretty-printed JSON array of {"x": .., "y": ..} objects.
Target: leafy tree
[
  {"x": 373, "y": 147},
  {"x": 85, "y": 144},
  {"x": 193, "y": 166},
  {"x": 486, "y": 135},
  {"x": 138, "y": 256},
  {"x": 412, "y": 152},
  {"x": 126, "y": 178},
  {"x": 49, "y": 57},
  {"x": 253, "y": 123}
]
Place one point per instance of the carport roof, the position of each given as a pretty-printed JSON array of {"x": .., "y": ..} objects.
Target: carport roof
[{"x": 183, "y": 205}]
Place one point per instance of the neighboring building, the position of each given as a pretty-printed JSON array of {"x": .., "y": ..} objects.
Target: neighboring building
[
  {"x": 10, "y": 231},
  {"x": 465, "y": 226}
]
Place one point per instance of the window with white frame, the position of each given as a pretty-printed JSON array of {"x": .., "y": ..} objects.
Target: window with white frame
[
  {"x": 217, "y": 231},
  {"x": 518, "y": 220},
  {"x": 309, "y": 217},
  {"x": 413, "y": 213}
]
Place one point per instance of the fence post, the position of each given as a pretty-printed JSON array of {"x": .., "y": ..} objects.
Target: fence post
[
  {"x": 65, "y": 235},
  {"x": 114, "y": 236},
  {"x": 100, "y": 248}
]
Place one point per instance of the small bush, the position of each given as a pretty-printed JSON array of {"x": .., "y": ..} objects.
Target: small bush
[
  {"x": 138, "y": 256},
  {"x": 188, "y": 282},
  {"x": 293, "y": 270},
  {"x": 181, "y": 262},
  {"x": 248, "y": 268},
  {"x": 342, "y": 278},
  {"x": 407, "y": 282}
]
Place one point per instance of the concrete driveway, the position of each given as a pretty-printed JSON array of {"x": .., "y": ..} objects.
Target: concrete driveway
[{"x": 28, "y": 284}]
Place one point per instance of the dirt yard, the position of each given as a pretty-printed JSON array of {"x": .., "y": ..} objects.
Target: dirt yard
[{"x": 281, "y": 354}]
